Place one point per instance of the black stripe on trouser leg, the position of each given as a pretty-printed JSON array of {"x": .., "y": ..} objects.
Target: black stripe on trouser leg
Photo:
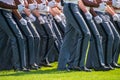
[
  {"x": 98, "y": 54},
  {"x": 70, "y": 8}
]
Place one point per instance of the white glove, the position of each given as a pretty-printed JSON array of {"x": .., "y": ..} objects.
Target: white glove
[
  {"x": 88, "y": 15},
  {"x": 116, "y": 3},
  {"x": 32, "y": 18},
  {"x": 42, "y": 21},
  {"x": 57, "y": 18},
  {"x": 23, "y": 21},
  {"x": 98, "y": 20},
  {"x": 52, "y": 3},
  {"x": 32, "y": 6},
  {"x": 43, "y": 1},
  {"x": 62, "y": 16},
  {"x": 116, "y": 17},
  {"x": 21, "y": 7},
  {"x": 102, "y": 6},
  {"x": 43, "y": 8}
]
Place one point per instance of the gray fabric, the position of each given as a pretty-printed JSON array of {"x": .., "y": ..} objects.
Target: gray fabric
[
  {"x": 110, "y": 38},
  {"x": 36, "y": 38},
  {"x": 116, "y": 51},
  {"x": 12, "y": 29},
  {"x": 71, "y": 28},
  {"x": 44, "y": 40},
  {"x": 96, "y": 48}
]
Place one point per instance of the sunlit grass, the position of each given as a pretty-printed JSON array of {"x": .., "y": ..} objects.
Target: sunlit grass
[{"x": 46, "y": 73}]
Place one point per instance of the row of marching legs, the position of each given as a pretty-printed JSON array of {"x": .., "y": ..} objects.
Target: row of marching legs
[
  {"x": 31, "y": 45},
  {"x": 88, "y": 44}
]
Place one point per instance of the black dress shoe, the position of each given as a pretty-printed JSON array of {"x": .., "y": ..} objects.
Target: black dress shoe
[
  {"x": 25, "y": 69},
  {"x": 102, "y": 68},
  {"x": 17, "y": 69},
  {"x": 85, "y": 69},
  {"x": 111, "y": 68},
  {"x": 115, "y": 65},
  {"x": 45, "y": 65},
  {"x": 33, "y": 67},
  {"x": 75, "y": 68},
  {"x": 64, "y": 69}
]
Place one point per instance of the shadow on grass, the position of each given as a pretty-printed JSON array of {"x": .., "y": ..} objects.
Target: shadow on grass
[{"x": 49, "y": 71}]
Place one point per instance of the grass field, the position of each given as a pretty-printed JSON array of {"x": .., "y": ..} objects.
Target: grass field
[{"x": 46, "y": 73}]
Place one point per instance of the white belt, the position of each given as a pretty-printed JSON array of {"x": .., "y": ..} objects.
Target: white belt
[
  {"x": 96, "y": 9},
  {"x": 44, "y": 13},
  {"x": 117, "y": 11},
  {"x": 6, "y": 9}
]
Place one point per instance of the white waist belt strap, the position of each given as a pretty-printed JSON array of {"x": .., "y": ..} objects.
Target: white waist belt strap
[{"x": 6, "y": 9}]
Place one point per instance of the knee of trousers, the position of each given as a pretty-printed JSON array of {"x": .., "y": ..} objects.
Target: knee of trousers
[
  {"x": 87, "y": 35},
  {"x": 111, "y": 37}
]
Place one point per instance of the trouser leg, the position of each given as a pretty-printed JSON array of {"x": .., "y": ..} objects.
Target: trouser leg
[
  {"x": 13, "y": 42},
  {"x": 19, "y": 36},
  {"x": 97, "y": 43},
  {"x": 55, "y": 29},
  {"x": 44, "y": 40},
  {"x": 84, "y": 28},
  {"x": 30, "y": 41}
]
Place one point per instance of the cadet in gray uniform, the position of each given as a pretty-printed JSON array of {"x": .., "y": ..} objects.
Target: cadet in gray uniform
[
  {"x": 6, "y": 11},
  {"x": 115, "y": 4},
  {"x": 108, "y": 38},
  {"x": 74, "y": 20},
  {"x": 95, "y": 56}
]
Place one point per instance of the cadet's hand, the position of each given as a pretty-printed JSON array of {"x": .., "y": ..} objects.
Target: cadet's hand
[
  {"x": 57, "y": 18},
  {"x": 98, "y": 20},
  {"x": 102, "y": 6},
  {"x": 116, "y": 3},
  {"x": 52, "y": 3},
  {"x": 23, "y": 21},
  {"x": 21, "y": 7},
  {"x": 116, "y": 17},
  {"x": 88, "y": 15},
  {"x": 32, "y": 18},
  {"x": 42, "y": 21},
  {"x": 32, "y": 6},
  {"x": 43, "y": 8},
  {"x": 62, "y": 16}
]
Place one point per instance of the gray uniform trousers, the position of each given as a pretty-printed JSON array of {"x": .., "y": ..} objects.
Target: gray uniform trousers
[
  {"x": 83, "y": 39},
  {"x": 55, "y": 49},
  {"x": 109, "y": 38},
  {"x": 30, "y": 41},
  {"x": 55, "y": 29},
  {"x": 72, "y": 51},
  {"x": 36, "y": 38},
  {"x": 51, "y": 37},
  {"x": 116, "y": 42},
  {"x": 44, "y": 40},
  {"x": 76, "y": 22},
  {"x": 116, "y": 51},
  {"x": 16, "y": 31},
  {"x": 61, "y": 26},
  {"x": 12, "y": 39},
  {"x": 96, "y": 48}
]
